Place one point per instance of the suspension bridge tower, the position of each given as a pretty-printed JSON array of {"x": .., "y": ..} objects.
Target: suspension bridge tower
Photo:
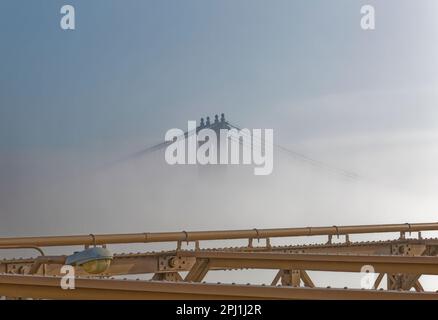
[{"x": 218, "y": 124}]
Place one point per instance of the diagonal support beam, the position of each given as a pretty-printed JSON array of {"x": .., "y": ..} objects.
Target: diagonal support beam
[
  {"x": 198, "y": 271},
  {"x": 307, "y": 280},
  {"x": 418, "y": 287},
  {"x": 378, "y": 280},
  {"x": 287, "y": 276},
  {"x": 277, "y": 278}
]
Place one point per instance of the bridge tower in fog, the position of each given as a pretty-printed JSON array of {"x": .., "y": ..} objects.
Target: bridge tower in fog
[{"x": 216, "y": 125}]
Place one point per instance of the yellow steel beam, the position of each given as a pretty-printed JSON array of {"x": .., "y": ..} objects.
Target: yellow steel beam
[
  {"x": 318, "y": 262},
  {"x": 212, "y": 235},
  {"x": 162, "y": 262},
  {"x": 49, "y": 288}
]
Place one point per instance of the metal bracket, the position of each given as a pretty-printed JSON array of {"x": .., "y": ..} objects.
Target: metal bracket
[{"x": 175, "y": 263}]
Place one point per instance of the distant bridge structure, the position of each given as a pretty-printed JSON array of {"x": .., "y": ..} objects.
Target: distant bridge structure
[{"x": 396, "y": 264}]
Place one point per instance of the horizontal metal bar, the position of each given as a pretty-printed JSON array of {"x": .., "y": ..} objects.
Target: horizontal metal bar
[
  {"x": 49, "y": 288},
  {"x": 212, "y": 235},
  {"x": 319, "y": 262},
  {"x": 156, "y": 262}
]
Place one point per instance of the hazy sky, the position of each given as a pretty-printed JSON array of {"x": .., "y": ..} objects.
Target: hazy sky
[
  {"x": 71, "y": 101},
  {"x": 136, "y": 68}
]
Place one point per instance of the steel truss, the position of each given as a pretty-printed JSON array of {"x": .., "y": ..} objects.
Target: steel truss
[{"x": 403, "y": 261}]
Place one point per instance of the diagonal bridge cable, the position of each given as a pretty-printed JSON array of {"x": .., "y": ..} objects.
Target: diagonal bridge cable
[{"x": 311, "y": 161}]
